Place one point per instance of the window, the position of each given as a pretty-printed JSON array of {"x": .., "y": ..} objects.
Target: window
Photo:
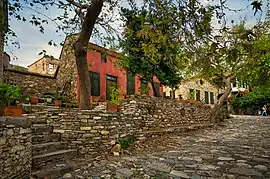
[
  {"x": 51, "y": 68},
  {"x": 95, "y": 83},
  {"x": 234, "y": 83},
  {"x": 212, "y": 98},
  {"x": 206, "y": 97},
  {"x": 198, "y": 94},
  {"x": 191, "y": 93},
  {"x": 130, "y": 84},
  {"x": 43, "y": 66}
]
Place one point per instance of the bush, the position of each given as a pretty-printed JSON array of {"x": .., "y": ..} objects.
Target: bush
[
  {"x": 9, "y": 94},
  {"x": 125, "y": 142},
  {"x": 257, "y": 98}
]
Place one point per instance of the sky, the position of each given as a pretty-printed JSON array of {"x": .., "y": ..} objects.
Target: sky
[{"x": 32, "y": 41}]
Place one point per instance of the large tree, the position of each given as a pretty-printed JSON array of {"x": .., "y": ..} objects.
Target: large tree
[
  {"x": 82, "y": 16},
  {"x": 223, "y": 59},
  {"x": 155, "y": 37}
]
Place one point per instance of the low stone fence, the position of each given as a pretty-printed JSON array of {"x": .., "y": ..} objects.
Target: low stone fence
[
  {"x": 94, "y": 133},
  {"x": 15, "y": 147},
  {"x": 37, "y": 84}
]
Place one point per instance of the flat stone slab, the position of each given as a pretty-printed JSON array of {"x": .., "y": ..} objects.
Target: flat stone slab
[
  {"x": 180, "y": 174},
  {"x": 245, "y": 171},
  {"x": 225, "y": 158},
  {"x": 261, "y": 167},
  {"x": 123, "y": 173},
  {"x": 160, "y": 167}
]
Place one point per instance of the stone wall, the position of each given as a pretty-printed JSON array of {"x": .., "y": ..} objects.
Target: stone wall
[
  {"x": 94, "y": 133},
  {"x": 15, "y": 147},
  {"x": 196, "y": 84},
  {"x": 36, "y": 83}
]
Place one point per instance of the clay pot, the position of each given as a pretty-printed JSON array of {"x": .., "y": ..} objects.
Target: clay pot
[
  {"x": 33, "y": 100},
  {"x": 13, "y": 111},
  {"x": 112, "y": 107},
  {"x": 57, "y": 103}
]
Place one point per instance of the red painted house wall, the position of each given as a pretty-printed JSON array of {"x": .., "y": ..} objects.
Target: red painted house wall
[{"x": 109, "y": 68}]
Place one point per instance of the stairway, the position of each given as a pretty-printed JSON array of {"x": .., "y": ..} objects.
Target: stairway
[{"x": 51, "y": 157}]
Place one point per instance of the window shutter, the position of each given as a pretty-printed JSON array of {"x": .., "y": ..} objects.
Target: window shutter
[
  {"x": 198, "y": 94},
  {"x": 191, "y": 92},
  {"x": 130, "y": 84},
  {"x": 211, "y": 97},
  {"x": 206, "y": 97},
  {"x": 95, "y": 83}
]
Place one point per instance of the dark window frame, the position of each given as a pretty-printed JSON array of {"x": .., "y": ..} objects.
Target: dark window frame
[
  {"x": 95, "y": 83},
  {"x": 206, "y": 97},
  {"x": 212, "y": 98},
  {"x": 131, "y": 89},
  {"x": 198, "y": 95}
]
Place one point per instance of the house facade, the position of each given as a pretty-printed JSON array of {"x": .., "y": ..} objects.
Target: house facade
[
  {"x": 46, "y": 65},
  {"x": 103, "y": 72},
  {"x": 196, "y": 89}
]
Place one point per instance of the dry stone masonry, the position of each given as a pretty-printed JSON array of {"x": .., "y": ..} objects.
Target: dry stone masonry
[
  {"x": 94, "y": 133},
  {"x": 15, "y": 147}
]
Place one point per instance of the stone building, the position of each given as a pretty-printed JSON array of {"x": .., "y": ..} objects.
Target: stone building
[
  {"x": 197, "y": 89},
  {"x": 46, "y": 65},
  {"x": 3, "y": 30},
  {"x": 103, "y": 73}
]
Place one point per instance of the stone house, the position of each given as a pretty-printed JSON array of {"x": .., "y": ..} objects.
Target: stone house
[
  {"x": 103, "y": 72},
  {"x": 46, "y": 65},
  {"x": 197, "y": 89}
]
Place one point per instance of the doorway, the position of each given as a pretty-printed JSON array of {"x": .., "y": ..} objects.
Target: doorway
[{"x": 111, "y": 81}]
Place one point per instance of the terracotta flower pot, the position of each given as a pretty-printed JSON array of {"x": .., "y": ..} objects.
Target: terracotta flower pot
[
  {"x": 68, "y": 105},
  {"x": 22, "y": 101},
  {"x": 33, "y": 100},
  {"x": 57, "y": 103},
  {"x": 13, "y": 111},
  {"x": 112, "y": 107}
]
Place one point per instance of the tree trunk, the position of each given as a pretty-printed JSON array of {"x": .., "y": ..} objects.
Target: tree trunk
[
  {"x": 81, "y": 47},
  {"x": 173, "y": 91},
  {"x": 218, "y": 110},
  {"x": 154, "y": 89}
]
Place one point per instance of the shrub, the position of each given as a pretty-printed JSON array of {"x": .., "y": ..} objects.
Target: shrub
[
  {"x": 125, "y": 142},
  {"x": 9, "y": 94},
  {"x": 257, "y": 98}
]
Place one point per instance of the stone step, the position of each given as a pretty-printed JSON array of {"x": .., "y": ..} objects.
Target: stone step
[
  {"x": 53, "y": 171},
  {"x": 41, "y": 128},
  {"x": 39, "y": 149},
  {"x": 39, "y": 161},
  {"x": 39, "y": 121},
  {"x": 45, "y": 137}
]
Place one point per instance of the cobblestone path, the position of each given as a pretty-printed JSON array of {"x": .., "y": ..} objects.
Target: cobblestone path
[{"x": 238, "y": 150}]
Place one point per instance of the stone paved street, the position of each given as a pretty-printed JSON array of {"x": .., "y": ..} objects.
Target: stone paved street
[{"x": 238, "y": 150}]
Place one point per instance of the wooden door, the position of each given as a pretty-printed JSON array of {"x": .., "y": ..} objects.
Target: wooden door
[{"x": 111, "y": 81}]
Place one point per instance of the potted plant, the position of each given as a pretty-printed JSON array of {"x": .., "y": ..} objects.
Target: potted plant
[
  {"x": 25, "y": 97},
  {"x": 75, "y": 104},
  {"x": 144, "y": 90},
  {"x": 33, "y": 99},
  {"x": 9, "y": 95},
  {"x": 113, "y": 103}
]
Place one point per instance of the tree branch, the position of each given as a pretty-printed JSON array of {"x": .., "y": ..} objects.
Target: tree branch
[{"x": 78, "y": 5}]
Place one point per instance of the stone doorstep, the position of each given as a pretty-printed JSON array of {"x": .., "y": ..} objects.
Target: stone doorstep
[
  {"x": 60, "y": 152},
  {"x": 48, "y": 147}
]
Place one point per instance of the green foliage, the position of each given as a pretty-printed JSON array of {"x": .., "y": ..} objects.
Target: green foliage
[
  {"x": 114, "y": 95},
  {"x": 191, "y": 95},
  {"x": 144, "y": 89},
  {"x": 136, "y": 95},
  {"x": 257, "y": 98},
  {"x": 9, "y": 94},
  {"x": 125, "y": 142}
]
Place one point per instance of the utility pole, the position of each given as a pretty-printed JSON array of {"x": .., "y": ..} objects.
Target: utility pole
[{"x": 3, "y": 31}]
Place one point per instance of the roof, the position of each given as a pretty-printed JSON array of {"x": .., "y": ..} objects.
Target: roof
[
  {"x": 32, "y": 73},
  {"x": 94, "y": 47},
  {"x": 41, "y": 59}
]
